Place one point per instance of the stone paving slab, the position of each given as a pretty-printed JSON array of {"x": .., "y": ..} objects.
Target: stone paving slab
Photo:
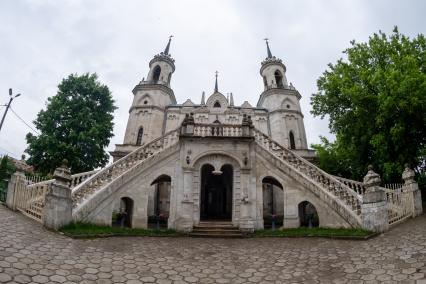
[{"x": 31, "y": 254}]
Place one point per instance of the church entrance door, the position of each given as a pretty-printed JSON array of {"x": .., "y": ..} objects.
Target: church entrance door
[{"x": 216, "y": 193}]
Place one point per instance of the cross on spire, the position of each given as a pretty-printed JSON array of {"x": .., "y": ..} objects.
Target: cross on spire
[
  {"x": 216, "y": 90},
  {"x": 166, "y": 51},
  {"x": 267, "y": 47}
]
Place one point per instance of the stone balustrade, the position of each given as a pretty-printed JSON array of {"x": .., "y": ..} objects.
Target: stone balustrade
[
  {"x": 351, "y": 198},
  {"x": 111, "y": 172},
  {"x": 356, "y": 186},
  {"x": 218, "y": 130}
]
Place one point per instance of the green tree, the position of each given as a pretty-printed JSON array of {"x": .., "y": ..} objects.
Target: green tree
[
  {"x": 375, "y": 100},
  {"x": 76, "y": 125},
  {"x": 6, "y": 170}
]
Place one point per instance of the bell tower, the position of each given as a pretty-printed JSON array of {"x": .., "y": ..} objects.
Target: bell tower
[
  {"x": 282, "y": 102},
  {"x": 150, "y": 99}
]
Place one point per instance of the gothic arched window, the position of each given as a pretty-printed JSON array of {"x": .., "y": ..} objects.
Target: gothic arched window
[
  {"x": 140, "y": 134},
  {"x": 157, "y": 72},
  {"x": 217, "y": 104},
  {"x": 278, "y": 78},
  {"x": 292, "y": 143}
]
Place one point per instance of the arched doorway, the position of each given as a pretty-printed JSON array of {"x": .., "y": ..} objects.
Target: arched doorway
[
  {"x": 159, "y": 202},
  {"x": 123, "y": 216},
  {"x": 273, "y": 202},
  {"x": 216, "y": 193},
  {"x": 308, "y": 215}
]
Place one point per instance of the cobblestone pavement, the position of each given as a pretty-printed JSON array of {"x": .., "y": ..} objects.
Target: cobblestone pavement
[{"x": 29, "y": 253}]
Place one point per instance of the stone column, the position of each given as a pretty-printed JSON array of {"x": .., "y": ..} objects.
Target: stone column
[
  {"x": 11, "y": 189},
  {"x": 185, "y": 216},
  {"x": 246, "y": 221},
  {"x": 374, "y": 212},
  {"x": 58, "y": 203},
  {"x": 412, "y": 186}
]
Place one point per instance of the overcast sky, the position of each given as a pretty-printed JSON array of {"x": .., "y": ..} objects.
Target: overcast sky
[{"x": 42, "y": 42}]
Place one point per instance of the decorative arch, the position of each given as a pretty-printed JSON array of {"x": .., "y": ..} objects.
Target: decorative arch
[
  {"x": 278, "y": 78},
  {"x": 159, "y": 201},
  {"x": 287, "y": 103},
  {"x": 308, "y": 214},
  {"x": 156, "y": 73},
  {"x": 217, "y": 98},
  {"x": 273, "y": 202},
  {"x": 139, "y": 136},
  {"x": 123, "y": 217},
  {"x": 219, "y": 162},
  {"x": 145, "y": 100},
  {"x": 292, "y": 140},
  {"x": 207, "y": 155}
]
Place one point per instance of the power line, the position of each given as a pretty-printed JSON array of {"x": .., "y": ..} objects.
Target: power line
[{"x": 35, "y": 131}]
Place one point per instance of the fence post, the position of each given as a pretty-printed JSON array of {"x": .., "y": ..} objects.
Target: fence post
[
  {"x": 410, "y": 185},
  {"x": 374, "y": 205},
  {"x": 12, "y": 189},
  {"x": 58, "y": 203}
]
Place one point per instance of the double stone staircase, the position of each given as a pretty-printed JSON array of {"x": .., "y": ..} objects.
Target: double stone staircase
[{"x": 339, "y": 195}]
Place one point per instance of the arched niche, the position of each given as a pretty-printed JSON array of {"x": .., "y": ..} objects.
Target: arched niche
[{"x": 273, "y": 202}]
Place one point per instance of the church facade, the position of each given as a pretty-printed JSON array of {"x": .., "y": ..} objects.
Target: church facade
[
  {"x": 199, "y": 166},
  {"x": 217, "y": 172}
]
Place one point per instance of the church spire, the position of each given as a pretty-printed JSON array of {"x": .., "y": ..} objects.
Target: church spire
[
  {"x": 216, "y": 90},
  {"x": 166, "y": 51},
  {"x": 267, "y": 47},
  {"x": 203, "y": 99}
]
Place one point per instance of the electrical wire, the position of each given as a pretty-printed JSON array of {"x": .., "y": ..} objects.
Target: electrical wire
[{"x": 35, "y": 131}]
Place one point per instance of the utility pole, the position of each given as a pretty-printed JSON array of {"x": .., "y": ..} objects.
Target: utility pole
[{"x": 8, "y": 106}]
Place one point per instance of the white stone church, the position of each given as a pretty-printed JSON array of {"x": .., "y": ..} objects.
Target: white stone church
[{"x": 182, "y": 166}]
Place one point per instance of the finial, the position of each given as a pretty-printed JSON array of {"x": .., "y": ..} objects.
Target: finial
[
  {"x": 231, "y": 100},
  {"x": 203, "y": 99},
  {"x": 267, "y": 47},
  {"x": 216, "y": 90},
  {"x": 166, "y": 51}
]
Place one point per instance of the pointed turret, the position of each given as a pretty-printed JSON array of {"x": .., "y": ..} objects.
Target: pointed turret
[
  {"x": 166, "y": 51},
  {"x": 203, "y": 99},
  {"x": 268, "y": 49},
  {"x": 273, "y": 71},
  {"x": 216, "y": 89},
  {"x": 231, "y": 100}
]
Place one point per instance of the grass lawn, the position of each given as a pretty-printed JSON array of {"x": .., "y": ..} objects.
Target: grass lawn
[
  {"x": 91, "y": 230},
  {"x": 313, "y": 232}
]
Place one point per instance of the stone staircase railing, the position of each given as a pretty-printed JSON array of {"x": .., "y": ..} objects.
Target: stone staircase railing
[
  {"x": 345, "y": 198},
  {"x": 29, "y": 199},
  {"x": 116, "y": 169},
  {"x": 356, "y": 186}
]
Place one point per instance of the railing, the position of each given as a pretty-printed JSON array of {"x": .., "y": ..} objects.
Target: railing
[
  {"x": 351, "y": 198},
  {"x": 35, "y": 179},
  {"x": 356, "y": 186},
  {"x": 218, "y": 130},
  {"x": 109, "y": 173},
  {"x": 400, "y": 204},
  {"x": 394, "y": 186},
  {"x": 30, "y": 199}
]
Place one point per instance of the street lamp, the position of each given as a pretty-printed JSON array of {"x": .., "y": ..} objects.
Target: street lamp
[{"x": 8, "y": 106}]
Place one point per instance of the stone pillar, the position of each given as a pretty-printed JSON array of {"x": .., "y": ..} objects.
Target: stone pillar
[
  {"x": 246, "y": 224},
  {"x": 245, "y": 125},
  {"x": 185, "y": 210},
  {"x": 11, "y": 189},
  {"x": 58, "y": 203},
  {"x": 412, "y": 186},
  {"x": 374, "y": 211}
]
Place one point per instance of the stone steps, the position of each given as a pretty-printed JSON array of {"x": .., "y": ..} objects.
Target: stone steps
[{"x": 212, "y": 229}]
